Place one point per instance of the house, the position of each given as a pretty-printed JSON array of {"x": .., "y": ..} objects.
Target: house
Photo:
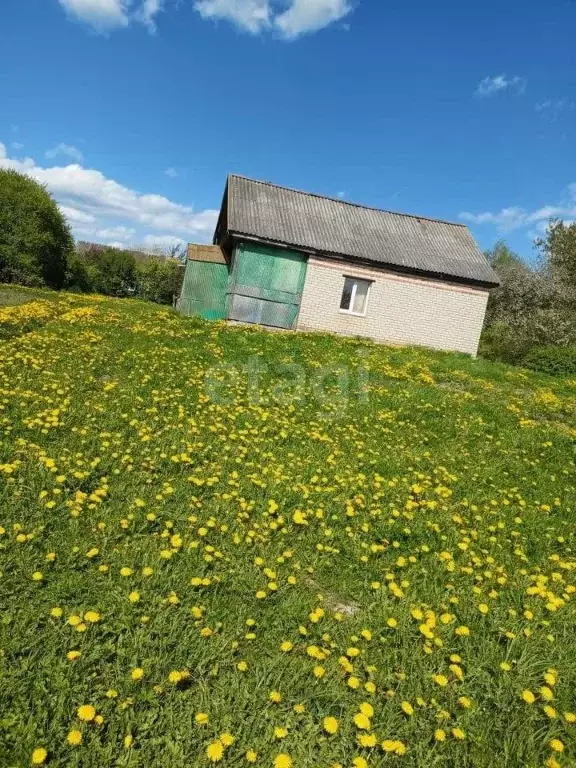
[{"x": 291, "y": 259}]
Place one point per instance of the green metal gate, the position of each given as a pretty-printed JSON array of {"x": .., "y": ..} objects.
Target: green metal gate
[
  {"x": 204, "y": 290},
  {"x": 266, "y": 285}
]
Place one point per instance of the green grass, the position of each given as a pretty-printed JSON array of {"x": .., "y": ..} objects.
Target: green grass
[{"x": 431, "y": 484}]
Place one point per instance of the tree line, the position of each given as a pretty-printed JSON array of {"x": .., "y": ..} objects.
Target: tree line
[{"x": 37, "y": 249}]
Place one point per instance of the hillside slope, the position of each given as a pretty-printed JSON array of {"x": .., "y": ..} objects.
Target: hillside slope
[{"x": 224, "y": 545}]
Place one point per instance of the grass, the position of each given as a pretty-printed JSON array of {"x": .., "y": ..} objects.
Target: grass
[{"x": 391, "y": 536}]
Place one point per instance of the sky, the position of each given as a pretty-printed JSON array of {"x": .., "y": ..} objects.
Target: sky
[{"x": 133, "y": 112}]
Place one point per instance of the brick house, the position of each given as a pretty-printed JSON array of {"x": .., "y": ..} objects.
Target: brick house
[{"x": 295, "y": 260}]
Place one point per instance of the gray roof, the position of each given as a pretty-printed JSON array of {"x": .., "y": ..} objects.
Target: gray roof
[{"x": 334, "y": 227}]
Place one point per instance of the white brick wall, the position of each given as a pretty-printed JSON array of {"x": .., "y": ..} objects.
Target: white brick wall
[{"x": 401, "y": 309}]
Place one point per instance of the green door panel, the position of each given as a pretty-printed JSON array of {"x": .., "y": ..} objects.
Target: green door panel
[
  {"x": 266, "y": 285},
  {"x": 204, "y": 290}
]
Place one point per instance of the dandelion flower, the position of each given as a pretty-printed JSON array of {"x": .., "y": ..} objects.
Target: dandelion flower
[
  {"x": 458, "y": 733},
  {"x": 74, "y": 738},
  {"x": 86, "y": 713},
  {"x": 283, "y": 761},
  {"x": 361, "y": 721},
  {"x": 251, "y": 756},
  {"x": 330, "y": 725},
  {"x": 275, "y": 696},
  {"x": 137, "y": 673},
  {"x": 556, "y": 745},
  {"x": 215, "y": 751},
  {"x": 367, "y": 709},
  {"x": 39, "y": 756},
  {"x": 201, "y": 718},
  {"x": 528, "y": 697},
  {"x": 286, "y": 646},
  {"x": 440, "y": 735},
  {"x": 407, "y": 708},
  {"x": 440, "y": 680}
]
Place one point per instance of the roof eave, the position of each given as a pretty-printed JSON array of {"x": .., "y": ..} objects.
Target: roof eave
[{"x": 486, "y": 284}]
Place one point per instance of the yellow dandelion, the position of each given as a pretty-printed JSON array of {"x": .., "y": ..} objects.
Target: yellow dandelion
[
  {"x": 86, "y": 713},
  {"x": 215, "y": 751},
  {"x": 74, "y": 737},
  {"x": 39, "y": 756},
  {"x": 330, "y": 725},
  {"x": 407, "y": 708},
  {"x": 528, "y": 696}
]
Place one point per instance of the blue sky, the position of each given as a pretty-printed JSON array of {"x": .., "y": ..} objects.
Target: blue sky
[{"x": 134, "y": 111}]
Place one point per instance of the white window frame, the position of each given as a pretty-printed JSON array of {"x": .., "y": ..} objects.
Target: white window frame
[{"x": 356, "y": 280}]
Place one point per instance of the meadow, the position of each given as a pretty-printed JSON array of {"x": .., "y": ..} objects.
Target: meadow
[{"x": 225, "y": 546}]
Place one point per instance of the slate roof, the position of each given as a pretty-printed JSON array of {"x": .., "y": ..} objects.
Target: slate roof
[{"x": 328, "y": 226}]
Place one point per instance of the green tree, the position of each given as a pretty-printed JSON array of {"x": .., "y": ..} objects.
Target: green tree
[
  {"x": 502, "y": 256},
  {"x": 159, "y": 280},
  {"x": 558, "y": 248},
  {"x": 110, "y": 271},
  {"x": 35, "y": 239}
]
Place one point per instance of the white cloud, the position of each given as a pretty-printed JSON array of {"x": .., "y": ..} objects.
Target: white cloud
[
  {"x": 250, "y": 15},
  {"x": 491, "y": 85},
  {"x": 516, "y": 217},
  {"x": 76, "y": 217},
  {"x": 93, "y": 202},
  {"x": 65, "y": 149},
  {"x": 148, "y": 11},
  {"x": 161, "y": 242},
  {"x": 105, "y": 15},
  {"x": 289, "y": 18},
  {"x": 17, "y": 145},
  {"x": 553, "y": 108},
  {"x": 172, "y": 172},
  {"x": 304, "y": 16},
  {"x": 101, "y": 14}
]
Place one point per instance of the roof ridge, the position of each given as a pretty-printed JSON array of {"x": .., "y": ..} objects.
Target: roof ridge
[{"x": 347, "y": 202}]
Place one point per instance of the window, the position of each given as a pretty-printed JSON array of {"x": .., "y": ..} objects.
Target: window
[{"x": 355, "y": 296}]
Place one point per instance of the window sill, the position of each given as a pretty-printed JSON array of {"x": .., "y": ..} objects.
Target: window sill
[{"x": 354, "y": 314}]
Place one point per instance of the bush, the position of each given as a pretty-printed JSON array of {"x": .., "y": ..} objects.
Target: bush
[
  {"x": 159, "y": 281},
  {"x": 35, "y": 239},
  {"x": 556, "y": 361},
  {"x": 108, "y": 270}
]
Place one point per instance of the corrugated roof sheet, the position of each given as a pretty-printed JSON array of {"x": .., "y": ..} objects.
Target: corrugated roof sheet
[{"x": 325, "y": 225}]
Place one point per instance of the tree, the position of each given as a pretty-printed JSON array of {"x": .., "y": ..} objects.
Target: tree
[
  {"x": 502, "y": 256},
  {"x": 35, "y": 239},
  {"x": 111, "y": 271},
  {"x": 558, "y": 248}
]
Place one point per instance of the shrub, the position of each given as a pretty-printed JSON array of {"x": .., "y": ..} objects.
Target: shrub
[
  {"x": 110, "y": 271},
  {"x": 158, "y": 280},
  {"x": 556, "y": 361},
  {"x": 35, "y": 239}
]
